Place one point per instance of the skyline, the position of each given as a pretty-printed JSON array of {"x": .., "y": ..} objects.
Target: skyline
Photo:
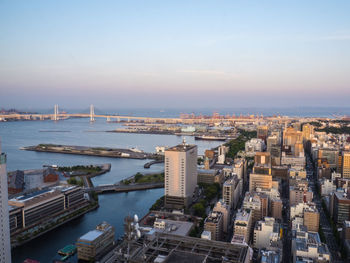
[{"x": 164, "y": 55}]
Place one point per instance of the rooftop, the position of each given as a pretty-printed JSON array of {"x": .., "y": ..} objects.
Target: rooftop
[
  {"x": 180, "y": 228},
  {"x": 91, "y": 235},
  {"x": 181, "y": 148},
  {"x": 243, "y": 216}
]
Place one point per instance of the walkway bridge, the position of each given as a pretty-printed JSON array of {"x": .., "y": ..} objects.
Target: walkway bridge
[{"x": 120, "y": 188}]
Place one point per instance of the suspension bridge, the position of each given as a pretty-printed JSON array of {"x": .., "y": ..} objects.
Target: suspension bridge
[{"x": 57, "y": 115}]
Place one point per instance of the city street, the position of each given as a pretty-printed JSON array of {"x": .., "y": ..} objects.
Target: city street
[{"x": 324, "y": 222}]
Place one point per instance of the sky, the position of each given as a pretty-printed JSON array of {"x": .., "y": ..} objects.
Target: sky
[{"x": 174, "y": 54}]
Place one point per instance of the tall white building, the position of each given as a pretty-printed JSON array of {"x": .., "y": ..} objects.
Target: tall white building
[
  {"x": 263, "y": 232},
  {"x": 180, "y": 175},
  {"x": 5, "y": 248}
]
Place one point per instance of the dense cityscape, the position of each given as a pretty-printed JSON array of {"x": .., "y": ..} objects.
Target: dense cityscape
[
  {"x": 274, "y": 189},
  {"x": 174, "y": 131}
]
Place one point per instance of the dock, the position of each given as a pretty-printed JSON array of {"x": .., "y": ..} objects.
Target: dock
[{"x": 92, "y": 151}]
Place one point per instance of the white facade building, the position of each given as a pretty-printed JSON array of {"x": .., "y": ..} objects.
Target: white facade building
[
  {"x": 5, "y": 247},
  {"x": 327, "y": 187},
  {"x": 263, "y": 232},
  {"x": 254, "y": 145},
  {"x": 180, "y": 174}
]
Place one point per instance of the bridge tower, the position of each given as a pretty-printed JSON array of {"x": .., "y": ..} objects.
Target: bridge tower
[
  {"x": 108, "y": 119},
  {"x": 55, "y": 117},
  {"x": 92, "y": 113}
]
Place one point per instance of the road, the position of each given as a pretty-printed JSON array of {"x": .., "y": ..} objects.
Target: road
[
  {"x": 287, "y": 235},
  {"x": 324, "y": 222}
]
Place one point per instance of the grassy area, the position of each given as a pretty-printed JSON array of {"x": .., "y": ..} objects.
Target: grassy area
[
  {"x": 140, "y": 178},
  {"x": 149, "y": 178},
  {"x": 210, "y": 191},
  {"x": 75, "y": 181},
  {"x": 335, "y": 130}
]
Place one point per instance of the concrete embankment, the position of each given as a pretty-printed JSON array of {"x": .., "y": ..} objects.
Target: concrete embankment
[{"x": 92, "y": 151}]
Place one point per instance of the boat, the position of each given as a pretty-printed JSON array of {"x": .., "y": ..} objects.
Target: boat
[
  {"x": 67, "y": 251},
  {"x": 210, "y": 138}
]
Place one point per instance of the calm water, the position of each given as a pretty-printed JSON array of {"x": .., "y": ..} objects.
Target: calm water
[{"x": 113, "y": 207}]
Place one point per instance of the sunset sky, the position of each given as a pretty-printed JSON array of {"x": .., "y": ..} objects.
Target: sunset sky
[{"x": 174, "y": 53}]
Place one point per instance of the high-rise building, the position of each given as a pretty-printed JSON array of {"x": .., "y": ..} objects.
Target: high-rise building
[
  {"x": 252, "y": 202},
  {"x": 341, "y": 208},
  {"x": 214, "y": 224},
  {"x": 232, "y": 190},
  {"x": 221, "y": 207},
  {"x": 5, "y": 247},
  {"x": 262, "y": 158},
  {"x": 311, "y": 219},
  {"x": 243, "y": 224},
  {"x": 263, "y": 132},
  {"x": 180, "y": 175},
  {"x": 263, "y": 181},
  {"x": 346, "y": 165},
  {"x": 307, "y": 131},
  {"x": 276, "y": 208},
  {"x": 263, "y": 231}
]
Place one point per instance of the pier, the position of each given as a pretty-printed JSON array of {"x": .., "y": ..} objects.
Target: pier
[{"x": 92, "y": 151}]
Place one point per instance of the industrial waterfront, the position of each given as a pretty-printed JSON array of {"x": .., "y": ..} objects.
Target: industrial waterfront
[{"x": 113, "y": 207}]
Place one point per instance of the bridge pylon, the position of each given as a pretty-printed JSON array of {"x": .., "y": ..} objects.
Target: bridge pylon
[
  {"x": 55, "y": 115},
  {"x": 92, "y": 113}
]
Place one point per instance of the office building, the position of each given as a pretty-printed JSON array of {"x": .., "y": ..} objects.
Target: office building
[
  {"x": 307, "y": 214},
  {"x": 243, "y": 224},
  {"x": 262, "y": 132},
  {"x": 5, "y": 247},
  {"x": 214, "y": 224},
  {"x": 210, "y": 176},
  {"x": 180, "y": 175},
  {"x": 341, "y": 208},
  {"x": 327, "y": 187},
  {"x": 223, "y": 208},
  {"x": 346, "y": 230},
  {"x": 307, "y": 245},
  {"x": 299, "y": 195},
  {"x": 263, "y": 181},
  {"x": 308, "y": 130},
  {"x": 254, "y": 145},
  {"x": 311, "y": 219},
  {"x": 40, "y": 205},
  {"x": 96, "y": 242},
  {"x": 276, "y": 207},
  {"x": 263, "y": 232},
  {"x": 232, "y": 190},
  {"x": 253, "y": 203},
  {"x": 262, "y": 158},
  {"x": 346, "y": 165}
]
